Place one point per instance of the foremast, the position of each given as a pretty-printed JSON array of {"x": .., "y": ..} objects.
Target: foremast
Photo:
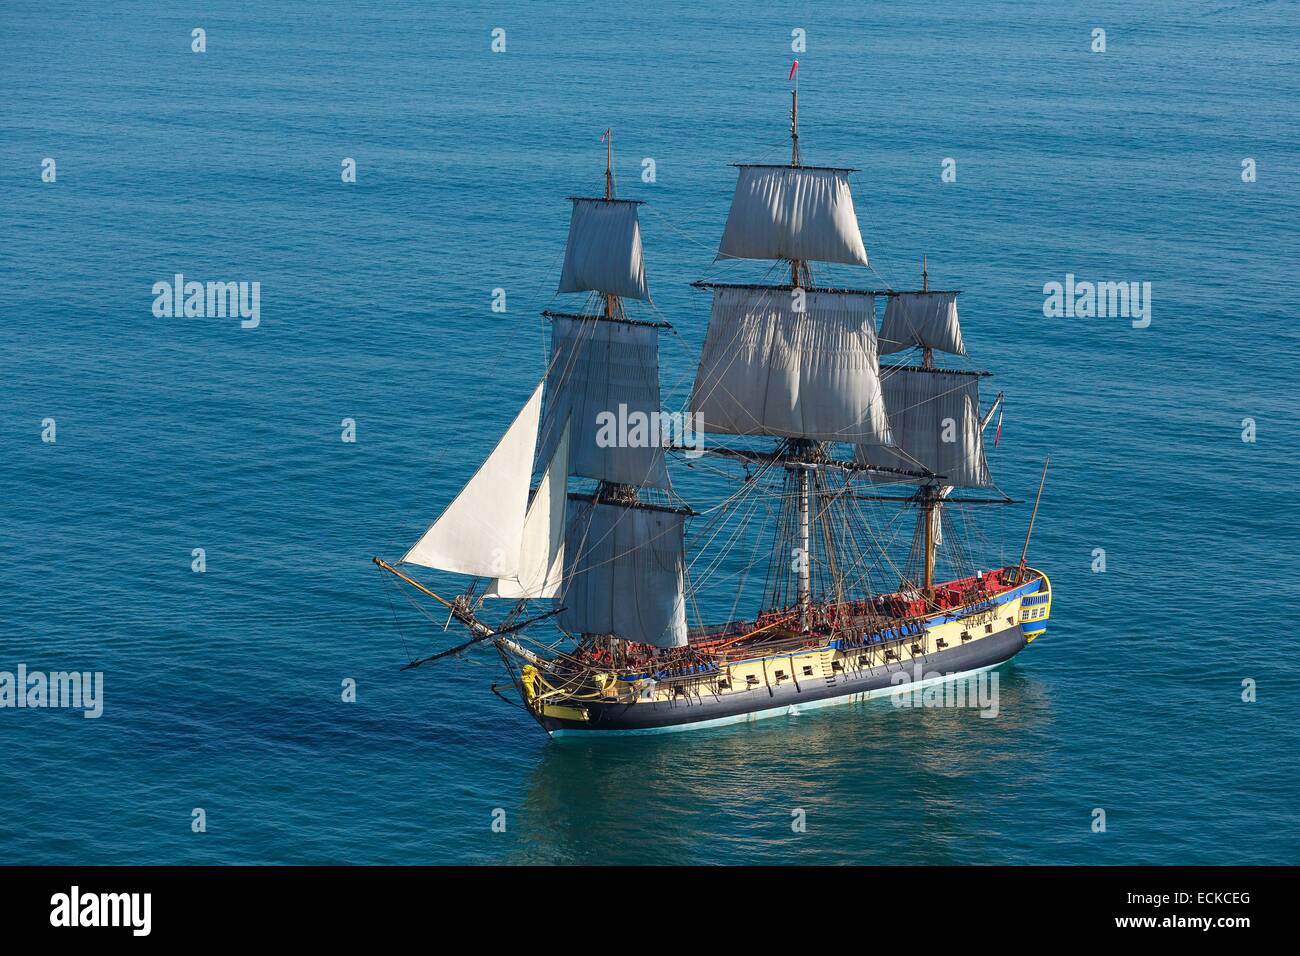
[
  {"x": 619, "y": 492},
  {"x": 612, "y": 561},
  {"x": 624, "y": 575}
]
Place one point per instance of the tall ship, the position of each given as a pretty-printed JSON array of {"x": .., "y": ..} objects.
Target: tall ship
[{"x": 598, "y": 584}]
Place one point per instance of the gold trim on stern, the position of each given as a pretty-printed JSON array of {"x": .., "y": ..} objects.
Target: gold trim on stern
[{"x": 1036, "y": 608}]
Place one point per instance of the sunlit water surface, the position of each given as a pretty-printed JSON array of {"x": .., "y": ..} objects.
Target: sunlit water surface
[{"x": 223, "y": 688}]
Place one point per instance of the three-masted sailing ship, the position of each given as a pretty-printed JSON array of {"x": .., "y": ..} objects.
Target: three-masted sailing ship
[{"x": 593, "y": 566}]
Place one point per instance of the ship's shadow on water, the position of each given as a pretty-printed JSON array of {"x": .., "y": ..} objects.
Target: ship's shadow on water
[{"x": 734, "y": 793}]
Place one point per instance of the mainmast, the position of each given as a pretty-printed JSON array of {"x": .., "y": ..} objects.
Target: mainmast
[
  {"x": 929, "y": 500},
  {"x": 609, "y": 194},
  {"x": 794, "y": 153},
  {"x": 794, "y": 362},
  {"x": 800, "y": 472},
  {"x": 609, "y": 164},
  {"x": 805, "y": 542},
  {"x": 794, "y": 116}
]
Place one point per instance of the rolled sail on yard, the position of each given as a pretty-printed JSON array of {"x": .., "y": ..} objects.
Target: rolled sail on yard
[
  {"x": 624, "y": 574},
  {"x": 768, "y": 369},
  {"x": 925, "y": 320},
  {"x": 603, "y": 381},
  {"x": 793, "y": 212},
  {"x": 935, "y": 421},
  {"x": 604, "y": 249}
]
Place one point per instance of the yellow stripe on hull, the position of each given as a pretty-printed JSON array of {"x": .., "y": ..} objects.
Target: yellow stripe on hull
[{"x": 561, "y": 712}]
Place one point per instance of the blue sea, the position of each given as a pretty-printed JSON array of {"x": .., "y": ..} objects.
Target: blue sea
[{"x": 222, "y": 689}]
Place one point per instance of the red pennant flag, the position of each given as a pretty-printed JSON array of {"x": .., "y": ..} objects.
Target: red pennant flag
[
  {"x": 794, "y": 69},
  {"x": 605, "y": 136},
  {"x": 997, "y": 435}
]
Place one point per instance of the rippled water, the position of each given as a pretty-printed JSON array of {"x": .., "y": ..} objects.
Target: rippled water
[{"x": 223, "y": 688}]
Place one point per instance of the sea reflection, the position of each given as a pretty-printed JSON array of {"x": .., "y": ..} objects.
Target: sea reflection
[{"x": 878, "y": 784}]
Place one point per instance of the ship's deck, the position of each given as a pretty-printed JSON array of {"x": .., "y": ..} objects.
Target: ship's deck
[{"x": 884, "y": 618}]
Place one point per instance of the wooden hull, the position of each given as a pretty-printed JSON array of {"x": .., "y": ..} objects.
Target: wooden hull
[{"x": 951, "y": 644}]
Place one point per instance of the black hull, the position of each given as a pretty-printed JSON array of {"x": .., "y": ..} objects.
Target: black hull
[{"x": 712, "y": 709}]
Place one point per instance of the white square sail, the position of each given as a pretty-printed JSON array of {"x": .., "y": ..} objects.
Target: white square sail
[
  {"x": 768, "y": 369},
  {"x": 604, "y": 372},
  {"x": 604, "y": 250},
  {"x": 934, "y": 416},
  {"x": 925, "y": 320},
  {"x": 793, "y": 212},
  {"x": 625, "y": 574}
]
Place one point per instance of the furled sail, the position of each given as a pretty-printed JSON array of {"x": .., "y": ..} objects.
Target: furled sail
[
  {"x": 481, "y": 531},
  {"x": 603, "y": 383},
  {"x": 793, "y": 212},
  {"x": 541, "y": 554},
  {"x": 768, "y": 369},
  {"x": 604, "y": 249},
  {"x": 624, "y": 574},
  {"x": 921, "y": 319},
  {"x": 935, "y": 421}
]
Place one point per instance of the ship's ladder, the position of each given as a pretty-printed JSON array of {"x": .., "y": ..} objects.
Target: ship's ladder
[{"x": 826, "y": 659}]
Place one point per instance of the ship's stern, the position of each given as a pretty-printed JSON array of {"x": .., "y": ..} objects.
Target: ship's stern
[{"x": 1036, "y": 608}]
